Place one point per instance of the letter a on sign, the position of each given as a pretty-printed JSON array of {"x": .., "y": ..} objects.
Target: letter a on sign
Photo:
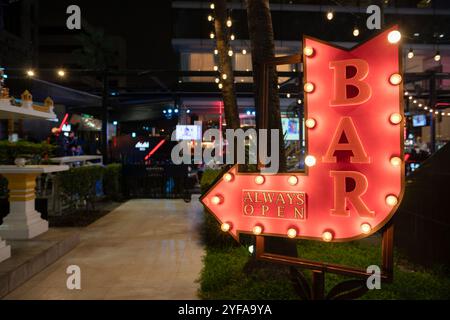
[{"x": 353, "y": 187}]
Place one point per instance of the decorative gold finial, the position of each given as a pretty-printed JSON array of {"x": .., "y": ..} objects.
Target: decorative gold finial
[
  {"x": 26, "y": 96},
  {"x": 5, "y": 93},
  {"x": 48, "y": 102}
]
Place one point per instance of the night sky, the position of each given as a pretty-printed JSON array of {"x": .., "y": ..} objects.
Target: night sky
[{"x": 145, "y": 25}]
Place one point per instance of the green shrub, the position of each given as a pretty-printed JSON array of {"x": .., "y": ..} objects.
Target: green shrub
[
  {"x": 34, "y": 152},
  {"x": 112, "y": 178},
  {"x": 208, "y": 177},
  {"x": 211, "y": 234},
  {"x": 78, "y": 184}
]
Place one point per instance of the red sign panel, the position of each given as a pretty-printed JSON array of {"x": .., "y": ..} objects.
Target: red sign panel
[{"x": 354, "y": 177}]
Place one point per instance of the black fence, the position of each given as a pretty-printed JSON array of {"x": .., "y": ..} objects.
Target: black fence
[
  {"x": 169, "y": 181},
  {"x": 422, "y": 223}
]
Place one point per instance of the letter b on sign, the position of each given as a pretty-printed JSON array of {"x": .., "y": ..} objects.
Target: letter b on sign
[{"x": 349, "y": 87}]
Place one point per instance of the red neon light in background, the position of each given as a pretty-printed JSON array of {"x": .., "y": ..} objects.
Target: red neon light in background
[
  {"x": 155, "y": 149},
  {"x": 66, "y": 116},
  {"x": 442, "y": 104}
]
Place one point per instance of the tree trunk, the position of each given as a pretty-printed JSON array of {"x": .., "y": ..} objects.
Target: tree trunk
[
  {"x": 225, "y": 65},
  {"x": 263, "y": 48}
]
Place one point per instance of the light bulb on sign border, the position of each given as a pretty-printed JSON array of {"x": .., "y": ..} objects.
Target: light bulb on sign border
[
  {"x": 308, "y": 87},
  {"x": 395, "y": 118},
  {"x": 310, "y": 123},
  {"x": 217, "y": 199},
  {"x": 395, "y": 79},
  {"x": 228, "y": 177},
  {"x": 396, "y": 161},
  {"x": 391, "y": 200},
  {"x": 225, "y": 227},
  {"x": 293, "y": 180},
  {"x": 327, "y": 236},
  {"x": 366, "y": 228},
  {"x": 257, "y": 230},
  {"x": 292, "y": 233},
  {"x": 310, "y": 161},
  {"x": 308, "y": 51},
  {"x": 259, "y": 180},
  {"x": 394, "y": 36}
]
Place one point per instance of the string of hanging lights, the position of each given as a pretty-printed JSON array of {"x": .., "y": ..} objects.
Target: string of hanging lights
[
  {"x": 230, "y": 52},
  {"x": 329, "y": 15},
  {"x": 423, "y": 107},
  {"x": 231, "y": 37}
]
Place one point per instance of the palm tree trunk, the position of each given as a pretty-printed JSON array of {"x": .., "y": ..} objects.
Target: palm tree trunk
[
  {"x": 263, "y": 48},
  {"x": 225, "y": 65}
]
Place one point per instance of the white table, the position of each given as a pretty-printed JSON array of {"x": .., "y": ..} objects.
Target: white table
[
  {"x": 8, "y": 111},
  {"x": 74, "y": 160},
  {"x": 23, "y": 221}
]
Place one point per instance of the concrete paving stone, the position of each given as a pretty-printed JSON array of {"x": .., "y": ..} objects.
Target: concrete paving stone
[{"x": 143, "y": 249}]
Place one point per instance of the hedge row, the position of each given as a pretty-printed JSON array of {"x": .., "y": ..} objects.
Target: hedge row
[
  {"x": 34, "y": 152},
  {"x": 212, "y": 236},
  {"x": 80, "y": 183}
]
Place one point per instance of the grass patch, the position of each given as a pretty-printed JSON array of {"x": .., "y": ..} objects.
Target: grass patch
[
  {"x": 223, "y": 278},
  {"x": 223, "y": 275}
]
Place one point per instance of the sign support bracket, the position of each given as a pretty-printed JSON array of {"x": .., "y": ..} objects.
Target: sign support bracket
[{"x": 319, "y": 268}]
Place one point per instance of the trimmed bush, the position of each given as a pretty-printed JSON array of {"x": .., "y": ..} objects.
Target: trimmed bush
[
  {"x": 78, "y": 184},
  {"x": 112, "y": 177},
  {"x": 34, "y": 152},
  {"x": 211, "y": 234}
]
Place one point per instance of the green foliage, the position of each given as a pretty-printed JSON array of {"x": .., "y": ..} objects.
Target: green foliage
[
  {"x": 211, "y": 234},
  {"x": 223, "y": 278},
  {"x": 97, "y": 50},
  {"x": 208, "y": 178},
  {"x": 112, "y": 177},
  {"x": 34, "y": 152},
  {"x": 78, "y": 184}
]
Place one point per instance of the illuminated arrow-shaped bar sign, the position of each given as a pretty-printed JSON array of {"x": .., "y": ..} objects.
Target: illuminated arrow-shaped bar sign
[{"x": 353, "y": 181}]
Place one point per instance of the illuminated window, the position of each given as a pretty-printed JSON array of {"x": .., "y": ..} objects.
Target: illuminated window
[
  {"x": 197, "y": 61},
  {"x": 243, "y": 62}
]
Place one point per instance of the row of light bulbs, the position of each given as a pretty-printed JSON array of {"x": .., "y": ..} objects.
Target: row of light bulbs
[
  {"x": 60, "y": 73},
  {"x": 425, "y": 107},
  {"x": 330, "y": 15},
  {"x": 328, "y": 235},
  {"x": 436, "y": 57},
  {"x": 229, "y": 24}
]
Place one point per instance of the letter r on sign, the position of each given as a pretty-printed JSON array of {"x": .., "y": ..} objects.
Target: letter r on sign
[{"x": 342, "y": 193}]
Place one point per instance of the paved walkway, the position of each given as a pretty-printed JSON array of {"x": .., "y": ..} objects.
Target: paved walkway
[{"x": 144, "y": 249}]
